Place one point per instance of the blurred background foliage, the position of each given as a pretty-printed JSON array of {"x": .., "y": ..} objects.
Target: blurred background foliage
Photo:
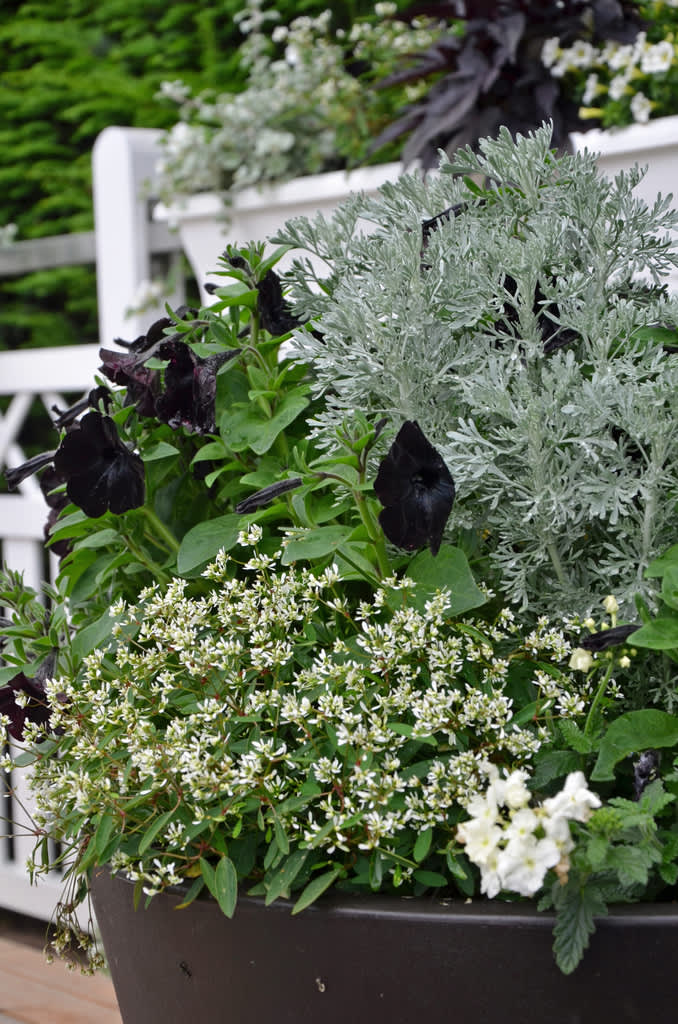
[{"x": 69, "y": 70}]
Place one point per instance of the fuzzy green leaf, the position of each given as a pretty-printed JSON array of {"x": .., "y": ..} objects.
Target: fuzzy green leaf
[{"x": 576, "y": 908}]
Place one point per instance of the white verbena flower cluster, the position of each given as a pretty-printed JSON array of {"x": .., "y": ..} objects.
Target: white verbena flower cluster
[{"x": 515, "y": 844}]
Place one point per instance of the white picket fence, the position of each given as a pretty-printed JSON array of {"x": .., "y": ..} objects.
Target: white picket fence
[{"x": 128, "y": 249}]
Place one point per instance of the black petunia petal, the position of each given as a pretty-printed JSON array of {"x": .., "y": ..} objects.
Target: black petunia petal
[
  {"x": 607, "y": 638},
  {"x": 416, "y": 489}
]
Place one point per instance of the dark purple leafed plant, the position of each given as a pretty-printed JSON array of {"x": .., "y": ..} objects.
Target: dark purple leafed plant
[{"x": 487, "y": 71}]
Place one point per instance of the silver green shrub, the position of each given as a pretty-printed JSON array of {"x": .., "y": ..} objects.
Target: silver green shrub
[{"x": 529, "y": 334}]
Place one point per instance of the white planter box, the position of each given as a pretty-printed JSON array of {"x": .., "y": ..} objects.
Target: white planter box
[
  {"x": 654, "y": 145},
  {"x": 258, "y": 213}
]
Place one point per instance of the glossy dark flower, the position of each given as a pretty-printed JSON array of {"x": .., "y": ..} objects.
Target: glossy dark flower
[
  {"x": 15, "y": 475},
  {"x": 607, "y": 638},
  {"x": 190, "y": 387},
  {"x": 274, "y": 311},
  {"x": 416, "y": 489},
  {"x": 100, "y": 472},
  {"x": 128, "y": 370},
  {"x": 33, "y": 707},
  {"x": 91, "y": 401}
]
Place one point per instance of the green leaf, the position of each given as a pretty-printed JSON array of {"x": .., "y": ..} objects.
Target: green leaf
[
  {"x": 554, "y": 764},
  {"x": 631, "y": 733},
  {"x": 100, "y": 539},
  {"x": 575, "y": 737},
  {"x": 670, "y": 587},
  {"x": 103, "y": 832},
  {"x": 283, "y": 878},
  {"x": 92, "y": 636},
  {"x": 244, "y": 429},
  {"x": 194, "y": 890},
  {"x": 632, "y": 863},
  {"x": 204, "y": 540},
  {"x": 660, "y": 634},
  {"x": 222, "y": 882},
  {"x": 422, "y": 845},
  {"x": 576, "y": 908},
  {"x": 669, "y": 560},
  {"x": 161, "y": 450},
  {"x": 226, "y": 881},
  {"x": 315, "y": 888},
  {"x": 157, "y": 827},
  {"x": 281, "y": 839},
  {"x": 448, "y": 569},
  {"x": 315, "y": 543},
  {"x": 432, "y": 879}
]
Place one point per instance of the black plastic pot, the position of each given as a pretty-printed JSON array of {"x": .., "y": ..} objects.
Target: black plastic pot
[{"x": 381, "y": 961}]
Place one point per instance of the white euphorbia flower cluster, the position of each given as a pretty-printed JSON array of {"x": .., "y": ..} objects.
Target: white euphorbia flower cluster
[
  {"x": 513, "y": 843},
  {"x": 362, "y": 729}
]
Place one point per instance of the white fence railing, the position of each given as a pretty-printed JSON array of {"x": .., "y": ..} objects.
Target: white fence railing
[{"x": 127, "y": 249}]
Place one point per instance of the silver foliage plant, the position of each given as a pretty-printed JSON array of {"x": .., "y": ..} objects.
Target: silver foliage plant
[{"x": 526, "y": 331}]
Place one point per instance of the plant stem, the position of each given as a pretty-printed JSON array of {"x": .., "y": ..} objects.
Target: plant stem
[
  {"x": 156, "y": 571},
  {"x": 557, "y": 564},
  {"x": 597, "y": 699},
  {"x": 374, "y": 533},
  {"x": 160, "y": 528}
]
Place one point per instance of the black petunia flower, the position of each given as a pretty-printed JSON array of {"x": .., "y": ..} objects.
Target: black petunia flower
[
  {"x": 34, "y": 707},
  {"x": 128, "y": 370},
  {"x": 416, "y": 489},
  {"x": 274, "y": 312},
  {"x": 267, "y": 494},
  {"x": 607, "y": 638},
  {"x": 100, "y": 472},
  {"x": 65, "y": 417},
  {"x": 16, "y": 474},
  {"x": 190, "y": 387}
]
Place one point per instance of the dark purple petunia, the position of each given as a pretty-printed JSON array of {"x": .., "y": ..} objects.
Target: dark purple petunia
[
  {"x": 267, "y": 494},
  {"x": 15, "y": 475},
  {"x": 607, "y": 638},
  {"x": 190, "y": 387},
  {"x": 128, "y": 370},
  {"x": 274, "y": 312},
  {"x": 100, "y": 472},
  {"x": 36, "y": 709},
  {"x": 416, "y": 489},
  {"x": 65, "y": 417}
]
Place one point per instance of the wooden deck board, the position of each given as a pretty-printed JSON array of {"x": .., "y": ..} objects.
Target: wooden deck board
[{"x": 33, "y": 991}]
